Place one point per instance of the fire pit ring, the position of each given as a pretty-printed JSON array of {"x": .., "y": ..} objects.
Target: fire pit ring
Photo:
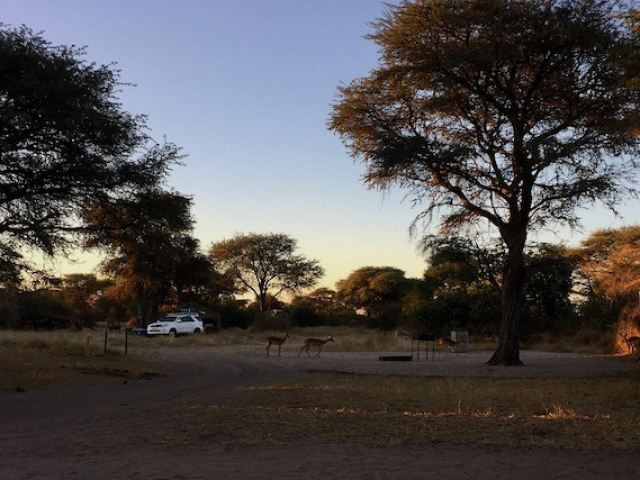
[{"x": 395, "y": 358}]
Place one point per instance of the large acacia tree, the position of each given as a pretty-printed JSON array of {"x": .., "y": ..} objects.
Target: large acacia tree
[
  {"x": 264, "y": 264},
  {"x": 506, "y": 112},
  {"x": 150, "y": 251},
  {"x": 372, "y": 289},
  {"x": 64, "y": 140}
]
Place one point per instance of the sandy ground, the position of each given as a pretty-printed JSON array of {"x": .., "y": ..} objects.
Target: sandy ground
[{"x": 112, "y": 431}]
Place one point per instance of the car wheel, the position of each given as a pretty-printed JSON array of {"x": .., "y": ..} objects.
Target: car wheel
[
  {"x": 197, "y": 330},
  {"x": 173, "y": 332}
]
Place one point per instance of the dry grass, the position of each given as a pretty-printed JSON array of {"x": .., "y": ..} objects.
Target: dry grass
[
  {"x": 584, "y": 341},
  {"x": 63, "y": 357},
  {"x": 347, "y": 339},
  {"x": 359, "y": 339},
  {"x": 58, "y": 357},
  {"x": 43, "y": 358},
  {"x": 575, "y": 414},
  {"x": 33, "y": 359}
]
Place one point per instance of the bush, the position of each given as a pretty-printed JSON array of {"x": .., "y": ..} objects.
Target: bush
[
  {"x": 387, "y": 317},
  {"x": 263, "y": 322},
  {"x": 485, "y": 312},
  {"x": 234, "y": 316},
  {"x": 305, "y": 316},
  {"x": 444, "y": 313}
]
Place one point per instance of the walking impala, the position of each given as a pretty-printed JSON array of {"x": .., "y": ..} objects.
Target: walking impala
[
  {"x": 276, "y": 341},
  {"x": 452, "y": 344},
  {"x": 315, "y": 342}
]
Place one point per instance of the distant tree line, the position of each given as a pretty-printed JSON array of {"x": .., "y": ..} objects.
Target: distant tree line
[{"x": 593, "y": 287}]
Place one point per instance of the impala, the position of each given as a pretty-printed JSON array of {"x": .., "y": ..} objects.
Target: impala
[
  {"x": 315, "y": 342},
  {"x": 276, "y": 341},
  {"x": 452, "y": 344}
]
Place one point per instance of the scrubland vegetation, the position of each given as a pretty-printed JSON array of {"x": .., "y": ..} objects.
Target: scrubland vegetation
[
  {"x": 578, "y": 414},
  {"x": 36, "y": 358},
  {"x": 41, "y": 359}
]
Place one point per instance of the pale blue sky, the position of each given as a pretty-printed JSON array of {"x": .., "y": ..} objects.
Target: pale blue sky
[{"x": 245, "y": 88}]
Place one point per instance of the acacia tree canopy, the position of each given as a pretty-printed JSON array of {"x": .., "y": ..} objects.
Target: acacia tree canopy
[
  {"x": 64, "y": 140},
  {"x": 609, "y": 262},
  {"x": 372, "y": 288},
  {"x": 509, "y": 112},
  {"x": 608, "y": 276},
  {"x": 462, "y": 261},
  {"x": 150, "y": 251},
  {"x": 265, "y": 264}
]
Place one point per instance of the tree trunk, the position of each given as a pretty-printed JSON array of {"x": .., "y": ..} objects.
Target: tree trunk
[
  {"x": 263, "y": 302},
  {"x": 145, "y": 304},
  {"x": 508, "y": 351}
]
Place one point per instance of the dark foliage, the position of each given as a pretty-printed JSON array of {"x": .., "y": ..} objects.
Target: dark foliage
[{"x": 64, "y": 140}]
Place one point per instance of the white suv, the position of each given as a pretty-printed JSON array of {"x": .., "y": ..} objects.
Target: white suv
[{"x": 176, "y": 324}]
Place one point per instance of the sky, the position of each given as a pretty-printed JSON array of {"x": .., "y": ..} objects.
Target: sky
[{"x": 245, "y": 88}]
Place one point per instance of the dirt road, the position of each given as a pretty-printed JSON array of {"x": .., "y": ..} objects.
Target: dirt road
[{"x": 116, "y": 430}]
